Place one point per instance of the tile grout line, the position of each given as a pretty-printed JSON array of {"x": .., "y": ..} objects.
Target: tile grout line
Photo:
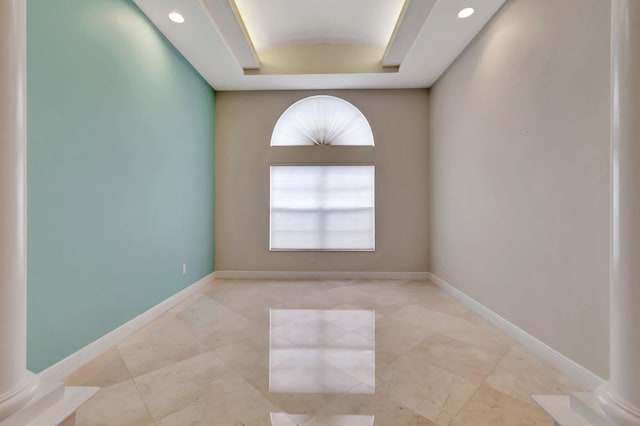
[
  {"x": 133, "y": 379},
  {"x": 481, "y": 384}
]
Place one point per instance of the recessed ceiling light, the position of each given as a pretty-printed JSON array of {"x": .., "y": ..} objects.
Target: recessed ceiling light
[
  {"x": 466, "y": 12},
  {"x": 176, "y": 17}
]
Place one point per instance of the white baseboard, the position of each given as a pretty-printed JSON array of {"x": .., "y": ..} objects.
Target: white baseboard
[
  {"x": 580, "y": 375},
  {"x": 320, "y": 275},
  {"x": 60, "y": 370}
]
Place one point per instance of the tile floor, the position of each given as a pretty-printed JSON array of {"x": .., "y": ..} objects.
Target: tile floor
[{"x": 339, "y": 353}]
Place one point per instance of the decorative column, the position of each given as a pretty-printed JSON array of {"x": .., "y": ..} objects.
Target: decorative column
[
  {"x": 619, "y": 398},
  {"x": 17, "y": 385},
  {"x": 617, "y": 402}
]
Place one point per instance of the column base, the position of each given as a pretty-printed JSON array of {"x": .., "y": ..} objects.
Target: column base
[
  {"x": 69, "y": 421},
  {"x": 617, "y": 409},
  {"x": 12, "y": 402},
  {"x": 53, "y": 405},
  {"x": 559, "y": 408},
  {"x": 581, "y": 409}
]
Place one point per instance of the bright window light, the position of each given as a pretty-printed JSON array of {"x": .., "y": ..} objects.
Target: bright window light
[
  {"x": 466, "y": 12},
  {"x": 322, "y": 208},
  {"x": 176, "y": 17}
]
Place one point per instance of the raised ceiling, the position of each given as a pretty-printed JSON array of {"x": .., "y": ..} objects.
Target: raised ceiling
[
  {"x": 320, "y": 44},
  {"x": 284, "y": 23}
]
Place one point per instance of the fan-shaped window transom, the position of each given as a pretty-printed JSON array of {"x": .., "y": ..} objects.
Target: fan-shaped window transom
[{"x": 322, "y": 120}]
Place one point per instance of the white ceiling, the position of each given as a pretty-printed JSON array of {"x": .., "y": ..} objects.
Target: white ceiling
[
  {"x": 282, "y": 23},
  {"x": 224, "y": 39}
]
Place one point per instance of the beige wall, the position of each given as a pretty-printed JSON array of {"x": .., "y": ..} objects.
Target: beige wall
[
  {"x": 520, "y": 173},
  {"x": 244, "y": 122}
]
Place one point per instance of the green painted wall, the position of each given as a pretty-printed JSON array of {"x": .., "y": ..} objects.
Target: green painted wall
[{"x": 120, "y": 172}]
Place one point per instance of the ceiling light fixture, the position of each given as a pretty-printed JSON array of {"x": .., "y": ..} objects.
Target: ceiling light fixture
[
  {"x": 176, "y": 17},
  {"x": 466, "y": 12}
]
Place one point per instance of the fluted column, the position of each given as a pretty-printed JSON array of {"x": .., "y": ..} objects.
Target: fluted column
[
  {"x": 620, "y": 396},
  {"x": 17, "y": 385}
]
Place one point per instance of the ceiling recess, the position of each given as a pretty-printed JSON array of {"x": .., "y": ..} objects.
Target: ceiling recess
[{"x": 319, "y": 44}]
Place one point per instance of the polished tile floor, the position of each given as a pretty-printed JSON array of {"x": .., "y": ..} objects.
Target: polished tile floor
[{"x": 339, "y": 353}]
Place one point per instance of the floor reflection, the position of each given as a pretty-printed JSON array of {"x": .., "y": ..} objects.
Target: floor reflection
[
  {"x": 282, "y": 419},
  {"x": 315, "y": 351},
  {"x": 321, "y": 351}
]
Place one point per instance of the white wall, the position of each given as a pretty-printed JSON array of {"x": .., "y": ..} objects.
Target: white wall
[
  {"x": 244, "y": 123},
  {"x": 520, "y": 173}
]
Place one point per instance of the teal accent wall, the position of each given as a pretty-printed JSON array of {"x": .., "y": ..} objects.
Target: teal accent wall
[{"x": 120, "y": 172}]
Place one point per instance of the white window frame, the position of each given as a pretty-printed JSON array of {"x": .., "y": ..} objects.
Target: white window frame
[{"x": 271, "y": 209}]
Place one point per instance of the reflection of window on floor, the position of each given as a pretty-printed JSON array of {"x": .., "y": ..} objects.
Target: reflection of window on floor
[
  {"x": 285, "y": 419},
  {"x": 322, "y": 207},
  {"x": 322, "y": 351}
]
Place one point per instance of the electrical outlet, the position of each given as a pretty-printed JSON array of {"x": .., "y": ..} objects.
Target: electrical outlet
[{"x": 184, "y": 268}]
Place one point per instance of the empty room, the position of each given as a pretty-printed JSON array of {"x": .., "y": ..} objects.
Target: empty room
[{"x": 319, "y": 212}]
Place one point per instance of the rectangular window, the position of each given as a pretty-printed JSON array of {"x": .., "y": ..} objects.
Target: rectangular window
[{"x": 323, "y": 207}]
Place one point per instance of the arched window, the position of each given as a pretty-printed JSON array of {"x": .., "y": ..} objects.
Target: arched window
[
  {"x": 322, "y": 120},
  {"x": 322, "y": 206}
]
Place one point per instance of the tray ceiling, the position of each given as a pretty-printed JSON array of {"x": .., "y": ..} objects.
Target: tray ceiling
[{"x": 320, "y": 44}]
